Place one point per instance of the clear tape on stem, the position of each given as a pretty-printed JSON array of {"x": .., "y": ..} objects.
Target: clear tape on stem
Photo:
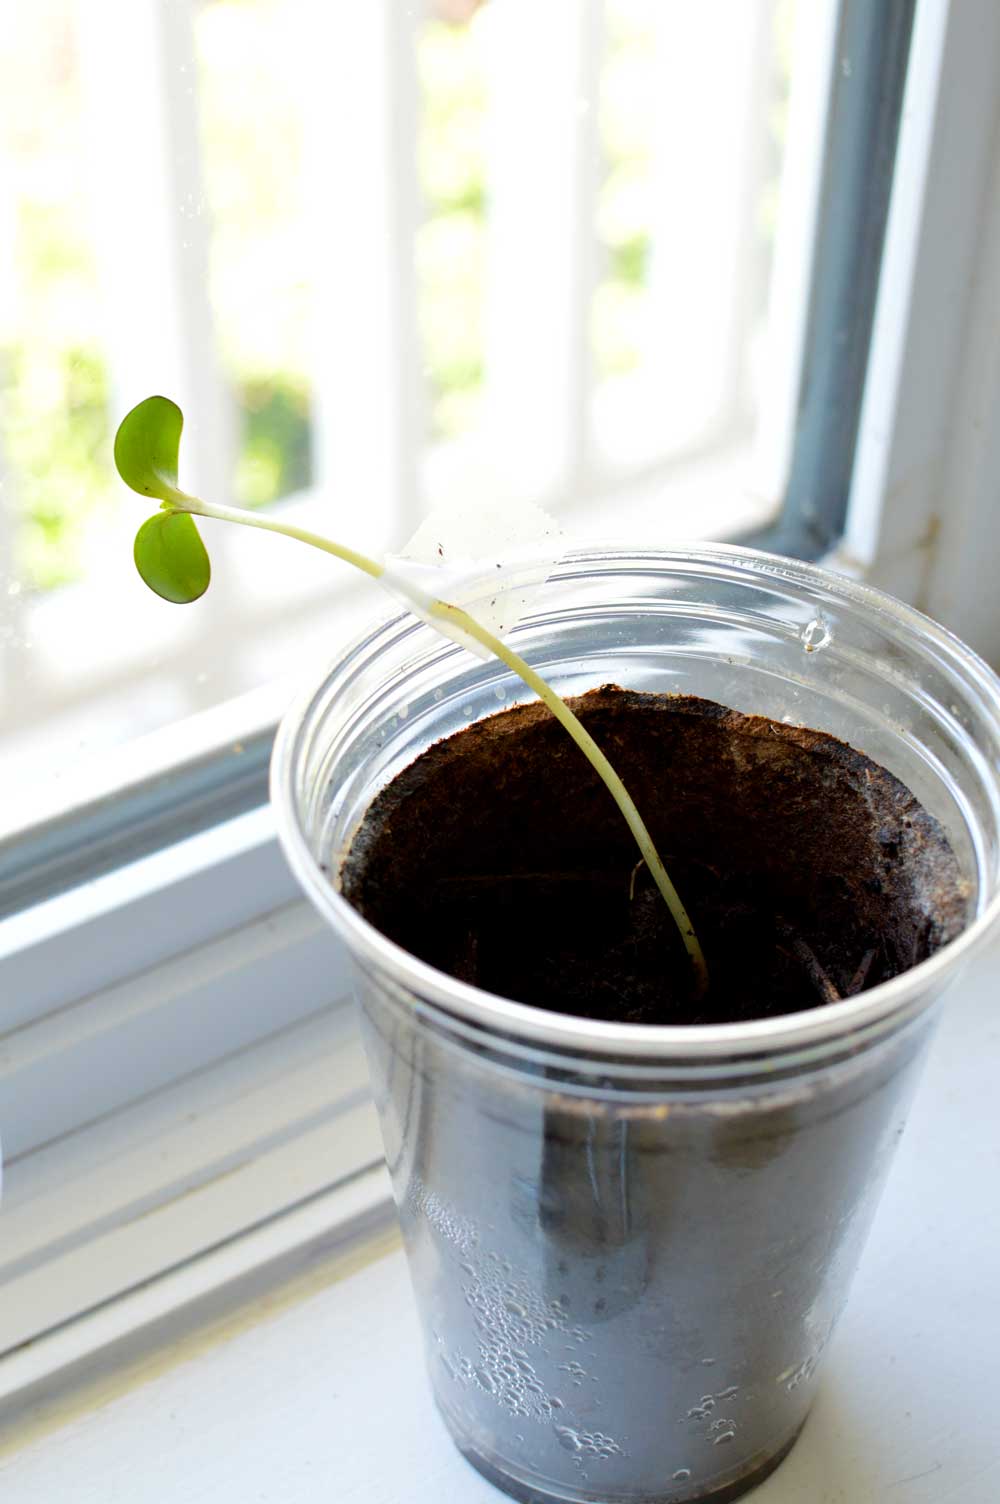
[{"x": 454, "y": 552}]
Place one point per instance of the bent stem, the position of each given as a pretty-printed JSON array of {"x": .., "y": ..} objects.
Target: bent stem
[
  {"x": 445, "y": 611},
  {"x": 194, "y": 504},
  {"x": 601, "y": 766}
]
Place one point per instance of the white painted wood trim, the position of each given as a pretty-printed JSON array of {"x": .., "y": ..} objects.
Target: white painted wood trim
[
  {"x": 150, "y": 222},
  {"x": 128, "y": 921},
  {"x": 710, "y": 123},
  {"x": 542, "y": 171},
  {"x": 96, "y": 1353},
  {"x": 133, "y": 981},
  {"x": 360, "y": 90},
  {"x": 178, "y": 1171},
  {"x": 900, "y": 513},
  {"x": 964, "y": 566}
]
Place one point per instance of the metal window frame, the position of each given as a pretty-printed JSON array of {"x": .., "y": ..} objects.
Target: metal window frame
[{"x": 870, "y": 64}]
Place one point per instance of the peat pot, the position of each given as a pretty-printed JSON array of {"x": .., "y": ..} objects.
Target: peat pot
[{"x": 630, "y": 1242}]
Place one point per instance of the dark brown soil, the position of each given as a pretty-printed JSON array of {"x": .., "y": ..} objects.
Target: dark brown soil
[{"x": 809, "y": 872}]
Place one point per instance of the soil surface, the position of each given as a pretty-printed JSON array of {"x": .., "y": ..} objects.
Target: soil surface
[{"x": 810, "y": 873}]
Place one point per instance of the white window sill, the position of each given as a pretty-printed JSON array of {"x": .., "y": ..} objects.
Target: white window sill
[{"x": 314, "y": 1388}]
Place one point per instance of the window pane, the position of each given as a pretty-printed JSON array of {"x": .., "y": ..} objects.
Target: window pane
[{"x": 384, "y": 257}]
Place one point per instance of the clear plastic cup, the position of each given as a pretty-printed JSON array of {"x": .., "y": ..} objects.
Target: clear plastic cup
[{"x": 630, "y": 1244}]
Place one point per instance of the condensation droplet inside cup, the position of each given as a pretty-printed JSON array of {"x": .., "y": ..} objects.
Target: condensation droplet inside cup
[{"x": 816, "y": 635}]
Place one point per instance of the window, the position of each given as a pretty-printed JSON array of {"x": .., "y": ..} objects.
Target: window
[
  {"x": 386, "y": 258},
  {"x": 383, "y": 257}
]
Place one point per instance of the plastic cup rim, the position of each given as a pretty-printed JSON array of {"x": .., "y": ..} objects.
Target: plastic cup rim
[{"x": 894, "y": 1000}]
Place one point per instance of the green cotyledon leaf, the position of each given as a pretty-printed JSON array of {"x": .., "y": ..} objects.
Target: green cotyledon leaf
[
  {"x": 171, "y": 557},
  {"x": 146, "y": 447}
]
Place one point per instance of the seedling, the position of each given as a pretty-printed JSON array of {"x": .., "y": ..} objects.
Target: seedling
[{"x": 172, "y": 559}]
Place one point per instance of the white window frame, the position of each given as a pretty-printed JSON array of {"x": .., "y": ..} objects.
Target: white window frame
[
  {"x": 144, "y": 996},
  {"x": 925, "y": 478}
]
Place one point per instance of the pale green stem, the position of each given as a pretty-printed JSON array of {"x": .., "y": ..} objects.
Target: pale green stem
[
  {"x": 270, "y": 525},
  {"x": 468, "y": 624},
  {"x": 601, "y": 766}
]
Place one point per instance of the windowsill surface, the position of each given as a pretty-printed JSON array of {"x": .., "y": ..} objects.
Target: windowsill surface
[{"x": 325, "y": 1397}]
